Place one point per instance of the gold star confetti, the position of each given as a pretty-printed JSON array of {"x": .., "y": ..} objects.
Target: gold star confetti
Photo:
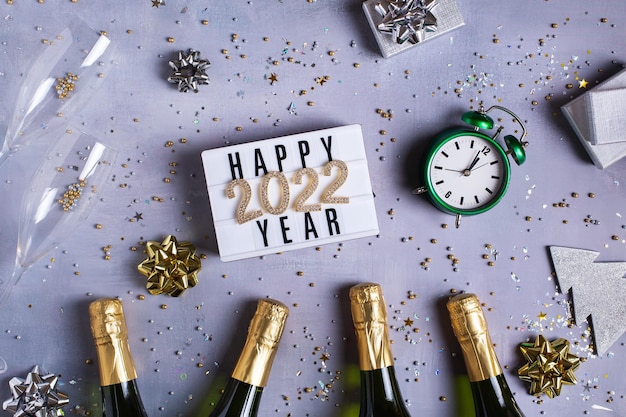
[
  {"x": 582, "y": 83},
  {"x": 542, "y": 316},
  {"x": 273, "y": 78},
  {"x": 157, "y": 3},
  {"x": 408, "y": 322},
  {"x": 138, "y": 216},
  {"x": 321, "y": 80},
  {"x": 171, "y": 267},
  {"x": 549, "y": 366}
]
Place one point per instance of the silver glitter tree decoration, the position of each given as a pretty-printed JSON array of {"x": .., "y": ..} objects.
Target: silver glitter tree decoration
[
  {"x": 598, "y": 290},
  {"x": 35, "y": 396},
  {"x": 189, "y": 71}
]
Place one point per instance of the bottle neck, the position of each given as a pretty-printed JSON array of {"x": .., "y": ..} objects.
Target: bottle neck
[
  {"x": 266, "y": 327},
  {"x": 239, "y": 400},
  {"x": 122, "y": 399},
  {"x": 115, "y": 361},
  {"x": 470, "y": 327},
  {"x": 373, "y": 345},
  {"x": 493, "y": 397},
  {"x": 380, "y": 394},
  {"x": 255, "y": 363},
  {"x": 480, "y": 357}
]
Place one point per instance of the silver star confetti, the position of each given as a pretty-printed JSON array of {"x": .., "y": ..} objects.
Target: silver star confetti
[
  {"x": 189, "y": 71},
  {"x": 35, "y": 396},
  {"x": 408, "y": 20},
  {"x": 597, "y": 290}
]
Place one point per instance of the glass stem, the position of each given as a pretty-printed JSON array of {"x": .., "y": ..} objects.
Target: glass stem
[{"x": 7, "y": 285}]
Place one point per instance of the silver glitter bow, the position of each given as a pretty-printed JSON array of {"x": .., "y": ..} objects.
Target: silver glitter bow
[
  {"x": 408, "y": 20},
  {"x": 35, "y": 396},
  {"x": 189, "y": 71}
]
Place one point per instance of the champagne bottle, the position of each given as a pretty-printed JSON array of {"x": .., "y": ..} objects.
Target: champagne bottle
[
  {"x": 491, "y": 393},
  {"x": 118, "y": 378},
  {"x": 242, "y": 394},
  {"x": 380, "y": 395}
]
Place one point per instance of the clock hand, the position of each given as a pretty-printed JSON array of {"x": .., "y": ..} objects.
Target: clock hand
[
  {"x": 467, "y": 171},
  {"x": 474, "y": 162},
  {"x": 480, "y": 166}
]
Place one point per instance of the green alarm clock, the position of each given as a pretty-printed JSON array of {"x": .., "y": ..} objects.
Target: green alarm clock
[{"x": 466, "y": 171}]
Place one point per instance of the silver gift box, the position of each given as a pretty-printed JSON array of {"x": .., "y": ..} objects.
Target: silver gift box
[
  {"x": 446, "y": 12},
  {"x": 592, "y": 122}
]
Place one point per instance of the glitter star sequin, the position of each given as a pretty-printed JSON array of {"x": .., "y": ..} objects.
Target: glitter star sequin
[
  {"x": 582, "y": 83},
  {"x": 171, "y": 267},
  {"x": 35, "y": 396},
  {"x": 408, "y": 20},
  {"x": 157, "y": 3},
  {"x": 189, "y": 71},
  {"x": 549, "y": 366},
  {"x": 273, "y": 78}
]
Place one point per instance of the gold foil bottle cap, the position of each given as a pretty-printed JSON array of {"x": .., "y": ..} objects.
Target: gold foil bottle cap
[
  {"x": 369, "y": 315},
  {"x": 462, "y": 307},
  {"x": 108, "y": 327},
  {"x": 470, "y": 328},
  {"x": 264, "y": 333},
  {"x": 107, "y": 320}
]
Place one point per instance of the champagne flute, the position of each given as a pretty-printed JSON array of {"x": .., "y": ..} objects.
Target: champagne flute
[
  {"x": 61, "y": 194},
  {"x": 60, "y": 82}
]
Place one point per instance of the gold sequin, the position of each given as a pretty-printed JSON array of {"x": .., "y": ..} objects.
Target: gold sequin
[
  {"x": 72, "y": 195},
  {"x": 65, "y": 85}
]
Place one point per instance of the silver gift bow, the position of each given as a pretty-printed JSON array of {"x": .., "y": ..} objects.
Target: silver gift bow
[
  {"x": 408, "y": 20},
  {"x": 35, "y": 396},
  {"x": 189, "y": 71}
]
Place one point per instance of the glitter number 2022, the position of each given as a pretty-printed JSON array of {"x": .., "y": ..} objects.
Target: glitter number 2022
[{"x": 244, "y": 215}]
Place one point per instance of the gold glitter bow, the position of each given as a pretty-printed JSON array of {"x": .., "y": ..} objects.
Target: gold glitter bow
[
  {"x": 550, "y": 365},
  {"x": 171, "y": 267}
]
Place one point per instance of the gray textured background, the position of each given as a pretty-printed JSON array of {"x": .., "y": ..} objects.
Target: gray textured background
[{"x": 521, "y": 55}]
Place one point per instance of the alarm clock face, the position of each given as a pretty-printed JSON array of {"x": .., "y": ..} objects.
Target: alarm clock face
[{"x": 467, "y": 173}]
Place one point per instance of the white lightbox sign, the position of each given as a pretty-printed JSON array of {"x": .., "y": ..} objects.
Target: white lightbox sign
[{"x": 290, "y": 192}]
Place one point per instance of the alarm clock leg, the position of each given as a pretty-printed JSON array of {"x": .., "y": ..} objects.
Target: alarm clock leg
[
  {"x": 457, "y": 222},
  {"x": 420, "y": 190}
]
